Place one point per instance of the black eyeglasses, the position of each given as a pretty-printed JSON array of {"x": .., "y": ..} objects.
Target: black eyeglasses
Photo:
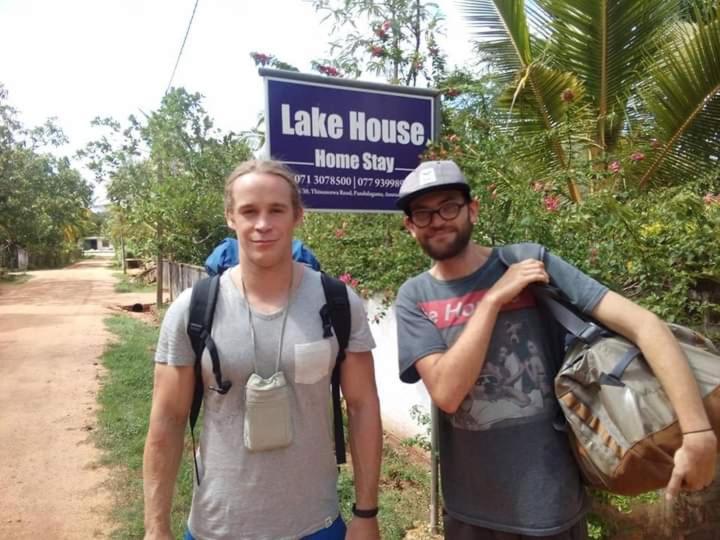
[{"x": 424, "y": 216}]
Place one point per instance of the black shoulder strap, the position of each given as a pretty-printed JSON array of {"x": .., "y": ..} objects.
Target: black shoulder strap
[
  {"x": 202, "y": 310},
  {"x": 335, "y": 314}
]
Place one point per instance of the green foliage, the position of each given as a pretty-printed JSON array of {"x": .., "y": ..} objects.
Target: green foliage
[
  {"x": 125, "y": 400},
  {"x": 642, "y": 79},
  {"x": 404, "y": 494},
  {"x": 44, "y": 202},
  {"x": 126, "y": 284},
  {"x": 165, "y": 177},
  {"x": 373, "y": 249},
  {"x": 394, "y": 39}
]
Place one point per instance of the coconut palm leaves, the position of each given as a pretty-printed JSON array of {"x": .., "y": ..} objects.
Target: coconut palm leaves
[
  {"x": 589, "y": 73},
  {"x": 683, "y": 96}
]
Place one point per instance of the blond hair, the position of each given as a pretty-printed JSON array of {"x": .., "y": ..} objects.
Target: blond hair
[{"x": 263, "y": 166}]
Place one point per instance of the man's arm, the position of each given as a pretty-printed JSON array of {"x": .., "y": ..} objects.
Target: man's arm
[
  {"x": 357, "y": 381},
  {"x": 172, "y": 396},
  {"x": 695, "y": 460},
  {"x": 449, "y": 376}
]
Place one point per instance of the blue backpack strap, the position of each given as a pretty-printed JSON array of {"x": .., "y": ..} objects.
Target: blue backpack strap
[
  {"x": 202, "y": 311},
  {"x": 335, "y": 316}
]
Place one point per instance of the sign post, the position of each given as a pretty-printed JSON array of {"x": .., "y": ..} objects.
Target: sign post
[{"x": 351, "y": 143}]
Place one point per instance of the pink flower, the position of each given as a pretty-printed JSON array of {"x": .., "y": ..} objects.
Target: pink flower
[
  {"x": 340, "y": 233},
  {"x": 260, "y": 58},
  {"x": 377, "y": 51},
  {"x": 614, "y": 167},
  {"x": 354, "y": 283},
  {"x": 537, "y": 186},
  {"x": 386, "y": 26},
  {"x": 568, "y": 96},
  {"x": 637, "y": 156},
  {"x": 345, "y": 278},
  {"x": 552, "y": 203}
]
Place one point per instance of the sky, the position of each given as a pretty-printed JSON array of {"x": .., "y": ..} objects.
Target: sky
[{"x": 79, "y": 59}]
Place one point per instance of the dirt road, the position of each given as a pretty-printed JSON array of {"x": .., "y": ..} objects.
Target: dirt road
[{"x": 51, "y": 338}]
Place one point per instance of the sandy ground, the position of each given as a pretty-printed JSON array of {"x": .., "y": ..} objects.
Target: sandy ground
[{"x": 51, "y": 338}]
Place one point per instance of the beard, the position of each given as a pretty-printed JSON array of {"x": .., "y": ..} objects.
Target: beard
[{"x": 451, "y": 249}]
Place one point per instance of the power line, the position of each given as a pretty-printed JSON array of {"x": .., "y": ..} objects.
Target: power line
[{"x": 182, "y": 47}]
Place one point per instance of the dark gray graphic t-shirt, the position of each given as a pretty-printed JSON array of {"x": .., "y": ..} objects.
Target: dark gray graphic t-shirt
[{"x": 504, "y": 466}]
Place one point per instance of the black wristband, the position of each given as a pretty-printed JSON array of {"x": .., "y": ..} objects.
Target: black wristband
[{"x": 369, "y": 513}]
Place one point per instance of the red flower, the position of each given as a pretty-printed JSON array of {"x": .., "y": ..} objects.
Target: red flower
[
  {"x": 711, "y": 199},
  {"x": 552, "y": 203},
  {"x": 637, "y": 156},
  {"x": 614, "y": 167},
  {"x": 260, "y": 58},
  {"x": 377, "y": 51},
  {"x": 330, "y": 71},
  {"x": 568, "y": 96}
]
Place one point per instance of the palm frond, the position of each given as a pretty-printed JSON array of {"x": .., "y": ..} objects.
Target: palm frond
[
  {"x": 683, "y": 95},
  {"x": 501, "y": 29},
  {"x": 549, "y": 124},
  {"x": 603, "y": 42}
]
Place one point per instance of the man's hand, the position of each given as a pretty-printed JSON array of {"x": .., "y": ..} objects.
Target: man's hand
[
  {"x": 363, "y": 529},
  {"x": 517, "y": 277},
  {"x": 694, "y": 463}
]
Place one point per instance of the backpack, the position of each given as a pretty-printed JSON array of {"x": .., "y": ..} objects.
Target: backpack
[
  {"x": 622, "y": 427},
  {"x": 334, "y": 316},
  {"x": 225, "y": 255}
]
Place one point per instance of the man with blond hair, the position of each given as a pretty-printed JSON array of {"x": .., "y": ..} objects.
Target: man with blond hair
[{"x": 266, "y": 467}]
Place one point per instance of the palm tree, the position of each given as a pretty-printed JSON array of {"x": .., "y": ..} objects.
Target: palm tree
[{"x": 590, "y": 80}]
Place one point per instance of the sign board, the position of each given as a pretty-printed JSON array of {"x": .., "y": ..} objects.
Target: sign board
[{"x": 350, "y": 143}]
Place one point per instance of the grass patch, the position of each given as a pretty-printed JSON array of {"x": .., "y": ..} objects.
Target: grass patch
[
  {"x": 125, "y": 400},
  {"x": 14, "y": 278},
  {"x": 127, "y": 284}
]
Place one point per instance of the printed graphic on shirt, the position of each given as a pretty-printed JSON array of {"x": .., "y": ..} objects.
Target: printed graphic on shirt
[
  {"x": 514, "y": 385},
  {"x": 453, "y": 311}
]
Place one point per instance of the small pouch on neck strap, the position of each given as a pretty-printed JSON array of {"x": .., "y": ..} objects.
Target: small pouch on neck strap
[{"x": 267, "y": 425}]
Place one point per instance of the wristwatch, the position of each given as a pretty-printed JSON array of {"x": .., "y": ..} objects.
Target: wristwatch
[{"x": 365, "y": 513}]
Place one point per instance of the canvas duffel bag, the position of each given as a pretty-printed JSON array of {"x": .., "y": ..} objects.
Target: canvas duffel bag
[{"x": 622, "y": 426}]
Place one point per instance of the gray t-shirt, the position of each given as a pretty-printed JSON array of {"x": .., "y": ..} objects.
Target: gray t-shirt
[
  {"x": 277, "y": 494},
  {"x": 504, "y": 466}
]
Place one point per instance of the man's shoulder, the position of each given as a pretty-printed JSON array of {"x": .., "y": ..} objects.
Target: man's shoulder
[{"x": 413, "y": 285}]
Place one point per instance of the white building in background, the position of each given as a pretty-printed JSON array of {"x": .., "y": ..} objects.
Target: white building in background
[{"x": 97, "y": 245}]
